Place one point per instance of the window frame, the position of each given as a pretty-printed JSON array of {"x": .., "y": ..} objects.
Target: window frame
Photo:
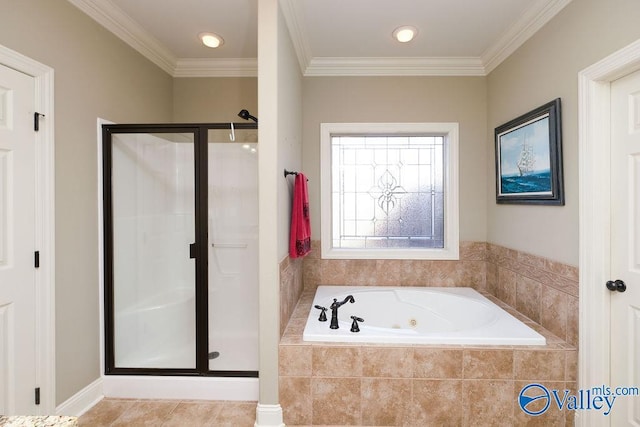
[{"x": 450, "y": 132}]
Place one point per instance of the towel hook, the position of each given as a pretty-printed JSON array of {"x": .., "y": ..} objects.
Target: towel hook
[{"x": 232, "y": 135}]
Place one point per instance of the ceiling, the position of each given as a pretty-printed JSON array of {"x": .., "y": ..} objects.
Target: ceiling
[{"x": 330, "y": 37}]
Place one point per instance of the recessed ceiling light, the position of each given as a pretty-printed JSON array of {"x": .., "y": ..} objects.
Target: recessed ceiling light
[
  {"x": 211, "y": 40},
  {"x": 405, "y": 33}
]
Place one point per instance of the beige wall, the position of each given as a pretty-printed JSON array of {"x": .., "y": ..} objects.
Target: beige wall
[
  {"x": 544, "y": 68},
  {"x": 216, "y": 99},
  {"x": 96, "y": 75},
  {"x": 404, "y": 99}
]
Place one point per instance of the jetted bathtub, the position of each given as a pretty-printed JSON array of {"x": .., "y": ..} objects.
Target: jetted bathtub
[{"x": 416, "y": 315}]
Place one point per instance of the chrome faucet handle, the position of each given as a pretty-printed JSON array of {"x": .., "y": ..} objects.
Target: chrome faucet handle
[
  {"x": 323, "y": 314},
  {"x": 354, "y": 325}
]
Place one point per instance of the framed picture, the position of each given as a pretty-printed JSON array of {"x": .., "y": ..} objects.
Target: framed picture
[{"x": 529, "y": 158}]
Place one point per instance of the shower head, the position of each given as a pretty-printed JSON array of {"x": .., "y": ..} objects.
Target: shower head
[{"x": 246, "y": 115}]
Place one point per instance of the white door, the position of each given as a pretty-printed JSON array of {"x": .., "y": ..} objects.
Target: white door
[
  {"x": 625, "y": 245},
  {"x": 17, "y": 240}
]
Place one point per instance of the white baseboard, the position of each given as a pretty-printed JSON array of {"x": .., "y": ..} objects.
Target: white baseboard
[
  {"x": 82, "y": 401},
  {"x": 269, "y": 416}
]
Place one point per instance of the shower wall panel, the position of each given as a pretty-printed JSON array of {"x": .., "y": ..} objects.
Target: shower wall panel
[{"x": 233, "y": 255}]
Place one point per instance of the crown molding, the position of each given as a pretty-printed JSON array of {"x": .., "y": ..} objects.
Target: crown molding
[
  {"x": 293, "y": 16},
  {"x": 123, "y": 26},
  {"x": 119, "y": 23},
  {"x": 532, "y": 20},
  {"x": 395, "y": 67},
  {"x": 220, "y": 67}
]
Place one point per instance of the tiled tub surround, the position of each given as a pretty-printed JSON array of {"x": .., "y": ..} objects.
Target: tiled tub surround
[
  {"x": 322, "y": 383},
  {"x": 414, "y": 385},
  {"x": 291, "y": 287},
  {"x": 544, "y": 290}
]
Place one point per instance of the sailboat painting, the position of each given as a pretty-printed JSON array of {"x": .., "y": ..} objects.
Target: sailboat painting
[
  {"x": 524, "y": 159},
  {"x": 528, "y": 161}
]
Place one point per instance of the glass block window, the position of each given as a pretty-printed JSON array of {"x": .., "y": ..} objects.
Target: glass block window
[{"x": 389, "y": 191}]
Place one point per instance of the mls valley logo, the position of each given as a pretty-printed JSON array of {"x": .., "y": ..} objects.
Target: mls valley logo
[{"x": 535, "y": 399}]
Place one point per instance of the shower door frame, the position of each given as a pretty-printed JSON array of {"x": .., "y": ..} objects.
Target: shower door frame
[{"x": 201, "y": 196}]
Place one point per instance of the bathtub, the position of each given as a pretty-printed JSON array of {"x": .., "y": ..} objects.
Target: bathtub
[{"x": 417, "y": 315}]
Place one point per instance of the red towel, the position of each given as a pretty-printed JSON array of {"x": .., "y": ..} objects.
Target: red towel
[{"x": 300, "y": 238}]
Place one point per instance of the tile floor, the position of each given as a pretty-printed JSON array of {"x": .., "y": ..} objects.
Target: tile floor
[{"x": 192, "y": 413}]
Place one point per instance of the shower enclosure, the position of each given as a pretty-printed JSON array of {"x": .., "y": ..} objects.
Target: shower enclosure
[{"x": 181, "y": 255}]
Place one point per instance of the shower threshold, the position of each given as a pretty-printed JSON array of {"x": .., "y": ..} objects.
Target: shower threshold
[{"x": 195, "y": 388}]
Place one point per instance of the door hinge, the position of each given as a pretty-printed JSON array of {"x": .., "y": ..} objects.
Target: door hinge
[
  {"x": 37, "y": 395},
  {"x": 36, "y": 259},
  {"x": 36, "y": 121}
]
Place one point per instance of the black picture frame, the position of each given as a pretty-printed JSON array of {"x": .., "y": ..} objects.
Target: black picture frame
[{"x": 529, "y": 158}]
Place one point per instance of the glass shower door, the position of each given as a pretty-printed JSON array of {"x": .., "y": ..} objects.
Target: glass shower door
[{"x": 153, "y": 223}]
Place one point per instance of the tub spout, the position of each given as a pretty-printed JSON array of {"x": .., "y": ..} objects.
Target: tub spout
[{"x": 334, "y": 310}]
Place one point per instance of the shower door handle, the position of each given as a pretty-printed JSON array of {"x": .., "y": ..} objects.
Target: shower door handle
[{"x": 192, "y": 251}]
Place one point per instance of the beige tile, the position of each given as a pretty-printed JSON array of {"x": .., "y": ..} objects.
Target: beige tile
[
  {"x": 311, "y": 273},
  {"x": 515, "y": 313},
  {"x": 507, "y": 286},
  {"x": 572, "y": 321},
  {"x": 446, "y": 273},
  {"x": 295, "y": 360},
  {"x": 551, "y": 338},
  {"x": 237, "y": 414},
  {"x": 488, "y": 402},
  {"x": 418, "y": 273},
  {"x": 336, "y": 401},
  {"x": 194, "y": 414},
  {"x": 295, "y": 399},
  {"x": 333, "y": 272},
  {"x": 539, "y": 365},
  {"x": 571, "y": 367},
  {"x": 565, "y": 270},
  {"x": 473, "y": 274},
  {"x": 284, "y": 264},
  {"x": 435, "y": 403},
  {"x": 528, "y": 297},
  {"x": 293, "y": 332},
  {"x": 336, "y": 361},
  {"x": 552, "y": 416},
  {"x": 385, "y": 402},
  {"x": 491, "y": 279},
  {"x": 105, "y": 412},
  {"x": 146, "y": 412},
  {"x": 387, "y": 362},
  {"x": 473, "y": 251},
  {"x": 532, "y": 260},
  {"x": 488, "y": 364},
  {"x": 437, "y": 363},
  {"x": 390, "y": 272},
  {"x": 301, "y": 311},
  {"x": 554, "y": 306},
  {"x": 360, "y": 272}
]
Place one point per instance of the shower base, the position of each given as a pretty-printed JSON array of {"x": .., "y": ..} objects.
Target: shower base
[{"x": 201, "y": 388}]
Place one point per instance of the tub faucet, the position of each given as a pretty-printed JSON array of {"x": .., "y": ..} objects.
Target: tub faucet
[{"x": 334, "y": 310}]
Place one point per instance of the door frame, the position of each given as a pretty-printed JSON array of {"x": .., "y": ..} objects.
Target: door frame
[
  {"x": 45, "y": 222},
  {"x": 594, "y": 149}
]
